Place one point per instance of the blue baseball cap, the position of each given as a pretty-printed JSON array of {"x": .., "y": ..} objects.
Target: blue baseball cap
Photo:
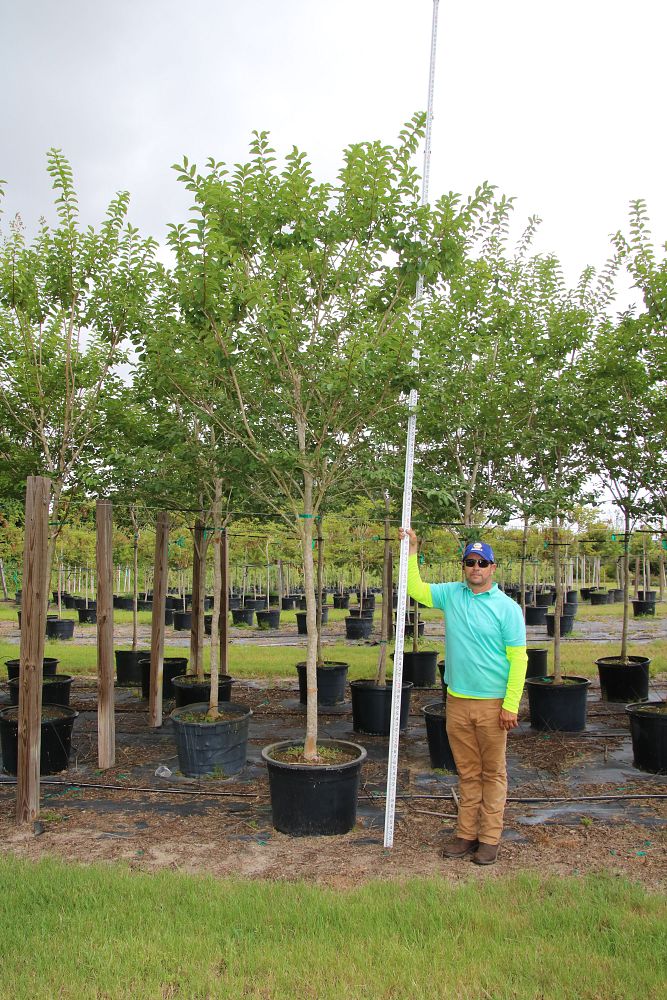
[{"x": 480, "y": 549}]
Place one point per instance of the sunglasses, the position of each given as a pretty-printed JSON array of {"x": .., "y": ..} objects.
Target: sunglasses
[{"x": 482, "y": 563}]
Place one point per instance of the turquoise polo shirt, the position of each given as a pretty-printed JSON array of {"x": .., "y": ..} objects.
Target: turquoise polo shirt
[{"x": 478, "y": 628}]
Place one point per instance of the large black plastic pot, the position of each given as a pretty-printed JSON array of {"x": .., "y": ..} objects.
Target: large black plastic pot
[
  {"x": 331, "y": 680},
  {"x": 87, "y": 616},
  {"x": 314, "y": 800},
  {"x": 643, "y": 608},
  {"x": 368, "y": 601},
  {"x": 172, "y": 666},
  {"x": 287, "y": 603},
  {"x": 56, "y": 738},
  {"x": 128, "y": 669},
  {"x": 218, "y": 748},
  {"x": 440, "y": 752},
  {"x": 268, "y": 619},
  {"x": 420, "y": 667},
  {"x": 543, "y": 600},
  {"x": 80, "y": 602},
  {"x": 144, "y": 605},
  {"x": 233, "y": 603},
  {"x": 566, "y": 623},
  {"x": 647, "y": 595},
  {"x": 623, "y": 682},
  {"x": 255, "y": 603},
  {"x": 558, "y": 707},
  {"x": 598, "y": 597},
  {"x": 648, "y": 728},
  {"x": 182, "y": 621},
  {"x": 585, "y": 593},
  {"x": 191, "y": 691},
  {"x": 341, "y": 601},
  {"x": 537, "y": 662},
  {"x": 242, "y": 616},
  {"x": 61, "y": 628},
  {"x": 49, "y": 665},
  {"x": 361, "y": 613},
  {"x": 536, "y": 614},
  {"x": 571, "y": 596},
  {"x": 55, "y": 690},
  {"x": 410, "y": 628},
  {"x": 168, "y": 616},
  {"x": 358, "y": 628},
  {"x": 371, "y": 707},
  {"x": 302, "y": 623}
]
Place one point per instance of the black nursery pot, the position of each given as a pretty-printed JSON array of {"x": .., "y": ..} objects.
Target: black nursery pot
[
  {"x": 536, "y": 614},
  {"x": 537, "y": 662},
  {"x": 215, "y": 748},
  {"x": 172, "y": 666},
  {"x": 566, "y": 623},
  {"x": 61, "y": 628},
  {"x": 643, "y": 608},
  {"x": 371, "y": 707},
  {"x": 242, "y": 616},
  {"x": 87, "y": 616},
  {"x": 420, "y": 667},
  {"x": 623, "y": 682},
  {"x": 341, "y": 601},
  {"x": 558, "y": 707},
  {"x": 314, "y": 800},
  {"x": 49, "y": 665},
  {"x": 269, "y": 619},
  {"x": 598, "y": 597},
  {"x": 287, "y": 603},
  {"x": 56, "y": 738},
  {"x": 55, "y": 690},
  {"x": 182, "y": 621},
  {"x": 190, "y": 691},
  {"x": 440, "y": 752},
  {"x": 358, "y": 628},
  {"x": 331, "y": 680},
  {"x": 128, "y": 668},
  {"x": 648, "y": 727}
]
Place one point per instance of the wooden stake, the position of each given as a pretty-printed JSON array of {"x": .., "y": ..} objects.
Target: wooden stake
[
  {"x": 198, "y": 581},
  {"x": 157, "y": 623},
  {"x": 33, "y": 629},
  {"x": 224, "y": 602},
  {"x": 106, "y": 725}
]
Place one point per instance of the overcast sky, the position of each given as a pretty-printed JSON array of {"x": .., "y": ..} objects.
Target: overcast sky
[{"x": 559, "y": 104}]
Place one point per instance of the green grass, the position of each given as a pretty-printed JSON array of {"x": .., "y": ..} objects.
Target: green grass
[
  {"x": 104, "y": 932},
  {"x": 248, "y": 660}
]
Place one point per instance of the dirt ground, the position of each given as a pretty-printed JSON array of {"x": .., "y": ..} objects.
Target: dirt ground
[{"x": 223, "y": 827}]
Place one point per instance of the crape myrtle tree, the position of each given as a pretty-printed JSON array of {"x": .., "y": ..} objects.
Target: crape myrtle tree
[
  {"x": 551, "y": 405},
  {"x": 619, "y": 384},
  {"x": 470, "y": 364},
  {"x": 293, "y": 299},
  {"x": 69, "y": 299}
]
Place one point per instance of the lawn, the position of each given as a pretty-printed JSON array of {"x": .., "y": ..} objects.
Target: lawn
[{"x": 79, "y": 933}]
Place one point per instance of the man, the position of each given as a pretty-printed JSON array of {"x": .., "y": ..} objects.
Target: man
[{"x": 485, "y": 670}]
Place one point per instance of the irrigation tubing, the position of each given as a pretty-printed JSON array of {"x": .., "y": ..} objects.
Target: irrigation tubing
[{"x": 372, "y": 795}]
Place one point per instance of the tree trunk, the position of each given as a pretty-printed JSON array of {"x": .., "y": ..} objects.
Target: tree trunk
[
  {"x": 626, "y": 587},
  {"x": 559, "y": 600},
  {"x": 135, "y": 580},
  {"x": 387, "y": 601},
  {"x": 320, "y": 568},
  {"x": 522, "y": 575},
  {"x": 198, "y": 587},
  {"x": 306, "y": 533},
  {"x": 213, "y": 712}
]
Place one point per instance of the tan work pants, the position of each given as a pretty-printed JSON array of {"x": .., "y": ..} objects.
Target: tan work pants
[{"x": 478, "y": 745}]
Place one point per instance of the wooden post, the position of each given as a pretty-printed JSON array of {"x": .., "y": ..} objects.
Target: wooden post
[
  {"x": 106, "y": 726},
  {"x": 33, "y": 629},
  {"x": 224, "y": 602},
  {"x": 198, "y": 581},
  {"x": 2, "y": 579},
  {"x": 157, "y": 624}
]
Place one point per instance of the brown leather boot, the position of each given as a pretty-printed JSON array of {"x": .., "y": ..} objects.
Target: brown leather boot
[
  {"x": 486, "y": 854},
  {"x": 457, "y": 847}
]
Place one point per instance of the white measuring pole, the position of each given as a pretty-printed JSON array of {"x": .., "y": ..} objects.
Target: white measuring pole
[{"x": 392, "y": 768}]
